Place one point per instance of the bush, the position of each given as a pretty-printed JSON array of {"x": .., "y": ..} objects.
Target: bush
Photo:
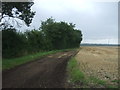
[{"x": 13, "y": 43}]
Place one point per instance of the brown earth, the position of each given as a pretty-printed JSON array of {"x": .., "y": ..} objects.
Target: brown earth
[
  {"x": 100, "y": 62},
  {"x": 47, "y": 72}
]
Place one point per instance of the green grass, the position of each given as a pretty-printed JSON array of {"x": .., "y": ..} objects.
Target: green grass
[
  {"x": 11, "y": 63},
  {"x": 117, "y": 81},
  {"x": 111, "y": 86},
  {"x": 75, "y": 74},
  {"x": 96, "y": 80}
]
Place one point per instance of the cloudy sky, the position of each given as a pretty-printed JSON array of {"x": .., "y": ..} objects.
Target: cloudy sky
[{"x": 98, "y": 21}]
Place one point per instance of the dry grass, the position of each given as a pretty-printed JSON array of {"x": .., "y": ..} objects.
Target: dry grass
[{"x": 101, "y": 62}]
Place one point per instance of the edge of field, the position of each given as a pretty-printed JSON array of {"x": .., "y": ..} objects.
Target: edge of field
[
  {"x": 77, "y": 79},
  {"x": 14, "y": 62}
]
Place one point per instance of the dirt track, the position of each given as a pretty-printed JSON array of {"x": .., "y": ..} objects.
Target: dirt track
[{"x": 47, "y": 72}]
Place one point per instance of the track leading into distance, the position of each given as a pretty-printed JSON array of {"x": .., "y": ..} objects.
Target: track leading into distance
[{"x": 47, "y": 72}]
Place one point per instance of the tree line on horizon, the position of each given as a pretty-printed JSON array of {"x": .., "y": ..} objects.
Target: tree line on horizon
[{"x": 51, "y": 35}]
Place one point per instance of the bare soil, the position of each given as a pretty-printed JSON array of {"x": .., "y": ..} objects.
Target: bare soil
[
  {"x": 100, "y": 62},
  {"x": 47, "y": 72}
]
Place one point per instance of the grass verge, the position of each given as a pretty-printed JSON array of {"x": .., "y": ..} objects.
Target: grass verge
[
  {"x": 11, "y": 63},
  {"x": 77, "y": 79},
  {"x": 75, "y": 74}
]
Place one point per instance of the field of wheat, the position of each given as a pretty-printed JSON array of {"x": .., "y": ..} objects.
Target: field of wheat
[{"x": 100, "y": 62}]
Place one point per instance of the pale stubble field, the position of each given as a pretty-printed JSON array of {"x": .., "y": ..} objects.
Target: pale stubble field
[{"x": 100, "y": 62}]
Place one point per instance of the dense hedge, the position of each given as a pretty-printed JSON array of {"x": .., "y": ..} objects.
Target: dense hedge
[{"x": 50, "y": 36}]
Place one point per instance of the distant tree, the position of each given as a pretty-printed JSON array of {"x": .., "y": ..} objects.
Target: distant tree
[
  {"x": 61, "y": 34},
  {"x": 35, "y": 40}
]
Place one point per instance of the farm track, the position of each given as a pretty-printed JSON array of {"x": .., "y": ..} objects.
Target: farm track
[{"x": 47, "y": 72}]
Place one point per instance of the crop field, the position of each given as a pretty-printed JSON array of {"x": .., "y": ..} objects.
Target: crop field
[{"x": 100, "y": 62}]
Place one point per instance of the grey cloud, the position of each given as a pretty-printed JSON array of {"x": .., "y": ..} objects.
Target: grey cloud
[{"x": 98, "y": 22}]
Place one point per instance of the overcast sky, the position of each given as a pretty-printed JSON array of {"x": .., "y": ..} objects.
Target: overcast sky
[{"x": 98, "y": 21}]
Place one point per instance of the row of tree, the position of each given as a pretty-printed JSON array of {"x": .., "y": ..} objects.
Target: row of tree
[{"x": 51, "y": 35}]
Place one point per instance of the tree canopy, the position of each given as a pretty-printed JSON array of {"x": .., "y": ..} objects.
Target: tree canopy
[
  {"x": 20, "y": 10},
  {"x": 51, "y": 35},
  {"x": 61, "y": 34}
]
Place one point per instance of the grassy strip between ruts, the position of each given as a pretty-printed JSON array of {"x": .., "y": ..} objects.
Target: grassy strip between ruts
[
  {"x": 11, "y": 63},
  {"x": 77, "y": 79}
]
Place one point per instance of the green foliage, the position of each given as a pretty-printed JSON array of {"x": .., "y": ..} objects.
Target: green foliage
[
  {"x": 51, "y": 36},
  {"x": 96, "y": 80},
  {"x": 117, "y": 81},
  {"x": 13, "y": 43},
  {"x": 61, "y": 34},
  {"x": 10, "y": 63},
  {"x": 75, "y": 74},
  {"x": 22, "y": 7}
]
